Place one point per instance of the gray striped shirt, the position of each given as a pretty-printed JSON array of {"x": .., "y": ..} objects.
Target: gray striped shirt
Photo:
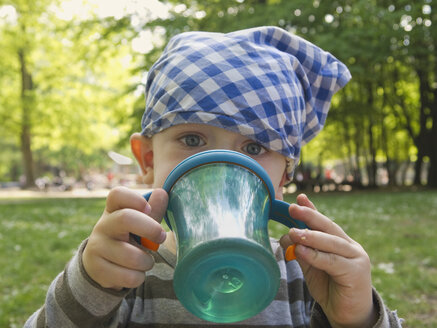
[{"x": 75, "y": 300}]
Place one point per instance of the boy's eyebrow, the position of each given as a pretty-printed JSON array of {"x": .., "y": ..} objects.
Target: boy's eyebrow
[{"x": 186, "y": 130}]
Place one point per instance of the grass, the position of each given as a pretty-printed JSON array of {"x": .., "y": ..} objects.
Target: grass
[
  {"x": 37, "y": 238},
  {"x": 398, "y": 230}
]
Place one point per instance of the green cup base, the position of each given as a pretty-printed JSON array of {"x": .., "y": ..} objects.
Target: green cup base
[{"x": 226, "y": 280}]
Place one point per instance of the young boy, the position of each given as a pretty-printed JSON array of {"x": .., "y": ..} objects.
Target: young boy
[{"x": 263, "y": 92}]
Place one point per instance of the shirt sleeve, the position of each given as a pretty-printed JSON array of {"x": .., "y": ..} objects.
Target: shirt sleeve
[
  {"x": 75, "y": 300},
  {"x": 386, "y": 317}
]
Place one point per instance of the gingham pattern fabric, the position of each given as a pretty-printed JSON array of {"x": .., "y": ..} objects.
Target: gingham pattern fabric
[{"x": 264, "y": 83}]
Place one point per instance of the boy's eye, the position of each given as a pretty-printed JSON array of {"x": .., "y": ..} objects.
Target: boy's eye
[
  {"x": 254, "y": 148},
  {"x": 192, "y": 140}
]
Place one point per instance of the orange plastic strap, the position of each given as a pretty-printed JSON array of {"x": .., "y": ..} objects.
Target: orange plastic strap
[
  {"x": 149, "y": 244},
  {"x": 290, "y": 255}
]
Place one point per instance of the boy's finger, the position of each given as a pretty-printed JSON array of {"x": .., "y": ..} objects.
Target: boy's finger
[
  {"x": 333, "y": 264},
  {"x": 316, "y": 221},
  {"x": 120, "y": 223},
  {"x": 121, "y": 197},
  {"x": 285, "y": 241},
  {"x": 324, "y": 242},
  {"x": 117, "y": 277},
  {"x": 303, "y": 200},
  {"x": 158, "y": 202},
  {"x": 127, "y": 255}
]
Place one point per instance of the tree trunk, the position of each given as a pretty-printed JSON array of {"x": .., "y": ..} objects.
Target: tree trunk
[
  {"x": 390, "y": 165},
  {"x": 371, "y": 162},
  {"x": 372, "y": 143},
  {"x": 423, "y": 141},
  {"x": 419, "y": 137},
  {"x": 358, "y": 177},
  {"x": 404, "y": 170},
  {"x": 25, "y": 133},
  {"x": 418, "y": 168},
  {"x": 432, "y": 173},
  {"x": 349, "y": 164}
]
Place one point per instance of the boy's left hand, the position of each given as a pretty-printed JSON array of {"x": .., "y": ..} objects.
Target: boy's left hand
[{"x": 337, "y": 269}]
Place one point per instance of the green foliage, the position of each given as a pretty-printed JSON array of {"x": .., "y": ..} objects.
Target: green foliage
[
  {"x": 80, "y": 73},
  {"x": 10, "y": 168},
  {"x": 83, "y": 69},
  {"x": 383, "y": 43}
]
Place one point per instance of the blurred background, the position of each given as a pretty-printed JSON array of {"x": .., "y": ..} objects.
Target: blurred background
[{"x": 72, "y": 77}]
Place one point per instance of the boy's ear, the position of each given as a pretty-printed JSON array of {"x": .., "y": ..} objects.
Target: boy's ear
[{"x": 143, "y": 151}]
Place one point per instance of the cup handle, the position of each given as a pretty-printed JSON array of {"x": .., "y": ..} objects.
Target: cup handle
[
  {"x": 279, "y": 213},
  {"x": 144, "y": 241},
  {"x": 147, "y": 195}
]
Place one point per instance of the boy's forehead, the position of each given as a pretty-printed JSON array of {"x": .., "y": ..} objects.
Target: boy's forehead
[
  {"x": 184, "y": 128},
  {"x": 263, "y": 83}
]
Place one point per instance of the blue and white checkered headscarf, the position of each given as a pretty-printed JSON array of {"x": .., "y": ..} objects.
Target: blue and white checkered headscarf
[{"x": 264, "y": 83}]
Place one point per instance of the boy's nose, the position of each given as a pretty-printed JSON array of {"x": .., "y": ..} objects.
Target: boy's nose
[
  {"x": 226, "y": 145},
  {"x": 224, "y": 139}
]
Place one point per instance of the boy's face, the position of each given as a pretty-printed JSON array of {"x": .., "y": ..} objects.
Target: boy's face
[{"x": 168, "y": 148}]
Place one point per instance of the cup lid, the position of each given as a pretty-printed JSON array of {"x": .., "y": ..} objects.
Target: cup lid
[{"x": 218, "y": 156}]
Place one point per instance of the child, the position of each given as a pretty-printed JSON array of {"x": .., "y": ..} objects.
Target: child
[{"x": 263, "y": 92}]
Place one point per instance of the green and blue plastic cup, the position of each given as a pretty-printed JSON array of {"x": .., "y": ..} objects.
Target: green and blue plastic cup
[{"x": 220, "y": 202}]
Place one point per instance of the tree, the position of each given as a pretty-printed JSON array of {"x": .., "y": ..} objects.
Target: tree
[
  {"x": 73, "y": 75},
  {"x": 369, "y": 36},
  {"x": 386, "y": 115}
]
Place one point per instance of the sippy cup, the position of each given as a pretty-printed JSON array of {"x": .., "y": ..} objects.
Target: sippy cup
[{"x": 219, "y": 205}]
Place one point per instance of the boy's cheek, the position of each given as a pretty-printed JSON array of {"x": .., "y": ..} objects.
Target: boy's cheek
[
  {"x": 279, "y": 193},
  {"x": 158, "y": 182},
  {"x": 276, "y": 171},
  {"x": 160, "y": 174},
  {"x": 164, "y": 162}
]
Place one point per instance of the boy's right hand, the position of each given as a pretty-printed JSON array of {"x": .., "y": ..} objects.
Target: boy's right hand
[{"x": 109, "y": 258}]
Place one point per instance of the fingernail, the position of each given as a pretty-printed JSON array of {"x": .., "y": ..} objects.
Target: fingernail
[
  {"x": 148, "y": 209},
  {"x": 163, "y": 236},
  {"x": 290, "y": 254}
]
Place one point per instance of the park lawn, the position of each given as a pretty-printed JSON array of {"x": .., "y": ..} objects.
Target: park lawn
[{"x": 398, "y": 230}]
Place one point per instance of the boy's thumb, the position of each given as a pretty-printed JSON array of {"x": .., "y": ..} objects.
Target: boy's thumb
[{"x": 158, "y": 202}]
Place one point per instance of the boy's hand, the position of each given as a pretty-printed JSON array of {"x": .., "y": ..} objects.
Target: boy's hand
[
  {"x": 109, "y": 258},
  {"x": 336, "y": 268}
]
